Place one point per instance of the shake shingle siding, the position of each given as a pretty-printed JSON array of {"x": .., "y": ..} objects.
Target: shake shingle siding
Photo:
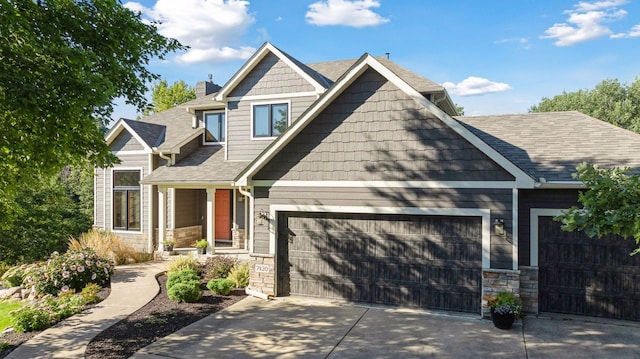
[
  {"x": 125, "y": 142},
  {"x": 374, "y": 131},
  {"x": 271, "y": 76},
  {"x": 241, "y": 145}
]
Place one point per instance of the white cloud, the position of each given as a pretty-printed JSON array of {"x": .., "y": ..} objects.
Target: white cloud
[
  {"x": 587, "y": 22},
  {"x": 635, "y": 31},
  {"x": 356, "y": 13},
  {"x": 475, "y": 86},
  {"x": 210, "y": 27}
]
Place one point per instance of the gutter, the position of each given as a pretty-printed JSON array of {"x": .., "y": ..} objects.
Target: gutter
[{"x": 542, "y": 183}]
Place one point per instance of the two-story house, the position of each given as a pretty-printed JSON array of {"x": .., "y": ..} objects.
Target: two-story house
[{"x": 357, "y": 180}]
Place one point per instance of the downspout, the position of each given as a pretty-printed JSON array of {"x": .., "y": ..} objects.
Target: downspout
[{"x": 163, "y": 156}]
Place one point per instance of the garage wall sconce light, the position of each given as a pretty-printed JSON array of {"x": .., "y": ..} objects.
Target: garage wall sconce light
[
  {"x": 262, "y": 217},
  {"x": 498, "y": 227}
]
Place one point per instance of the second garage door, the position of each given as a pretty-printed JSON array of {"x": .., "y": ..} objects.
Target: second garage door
[{"x": 422, "y": 261}]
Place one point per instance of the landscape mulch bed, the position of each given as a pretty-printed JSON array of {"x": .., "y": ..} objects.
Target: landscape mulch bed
[{"x": 157, "y": 319}]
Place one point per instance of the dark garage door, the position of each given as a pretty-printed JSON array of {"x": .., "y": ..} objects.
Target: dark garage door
[
  {"x": 587, "y": 276},
  {"x": 421, "y": 261}
]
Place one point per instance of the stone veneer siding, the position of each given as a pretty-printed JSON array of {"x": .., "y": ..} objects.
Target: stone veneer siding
[
  {"x": 495, "y": 281},
  {"x": 529, "y": 289},
  {"x": 262, "y": 279}
]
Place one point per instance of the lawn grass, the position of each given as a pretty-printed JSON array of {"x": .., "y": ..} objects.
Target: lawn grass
[{"x": 5, "y": 308}]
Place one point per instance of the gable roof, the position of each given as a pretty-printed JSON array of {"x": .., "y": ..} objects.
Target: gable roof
[
  {"x": 177, "y": 122},
  {"x": 318, "y": 82},
  {"x": 360, "y": 66},
  {"x": 145, "y": 133},
  {"x": 548, "y": 146}
]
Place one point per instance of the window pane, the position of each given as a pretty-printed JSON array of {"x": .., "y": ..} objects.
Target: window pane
[
  {"x": 119, "y": 210},
  {"x": 126, "y": 178},
  {"x": 133, "y": 207},
  {"x": 261, "y": 121},
  {"x": 279, "y": 118},
  {"x": 214, "y": 126}
]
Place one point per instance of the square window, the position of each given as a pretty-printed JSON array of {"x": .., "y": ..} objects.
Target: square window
[{"x": 270, "y": 120}]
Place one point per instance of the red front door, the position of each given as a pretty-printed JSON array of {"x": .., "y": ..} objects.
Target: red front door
[{"x": 223, "y": 214}]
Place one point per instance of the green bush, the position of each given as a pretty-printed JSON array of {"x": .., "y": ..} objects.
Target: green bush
[
  {"x": 239, "y": 275},
  {"x": 4, "y": 267},
  {"x": 220, "y": 267},
  {"x": 89, "y": 293},
  {"x": 182, "y": 276},
  {"x": 29, "y": 319},
  {"x": 187, "y": 292},
  {"x": 14, "y": 276},
  {"x": 221, "y": 286},
  {"x": 70, "y": 271},
  {"x": 183, "y": 262}
]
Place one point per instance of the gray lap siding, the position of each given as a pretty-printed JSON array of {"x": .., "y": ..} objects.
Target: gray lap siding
[{"x": 498, "y": 201}]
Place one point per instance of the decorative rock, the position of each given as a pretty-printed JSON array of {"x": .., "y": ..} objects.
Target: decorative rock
[{"x": 9, "y": 292}]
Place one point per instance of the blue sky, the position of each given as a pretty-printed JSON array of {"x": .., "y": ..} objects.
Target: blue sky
[{"x": 493, "y": 57}]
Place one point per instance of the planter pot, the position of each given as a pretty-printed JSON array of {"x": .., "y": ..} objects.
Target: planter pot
[
  {"x": 502, "y": 321},
  {"x": 168, "y": 248},
  {"x": 202, "y": 250}
]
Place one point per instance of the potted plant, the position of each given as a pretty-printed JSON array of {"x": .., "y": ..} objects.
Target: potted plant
[
  {"x": 168, "y": 245},
  {"x": 202, "y": 246},
  {"x": 505, "y": 308}
]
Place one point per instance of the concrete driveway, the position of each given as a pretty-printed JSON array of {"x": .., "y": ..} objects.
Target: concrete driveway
[{"x": 301, "y": 327}]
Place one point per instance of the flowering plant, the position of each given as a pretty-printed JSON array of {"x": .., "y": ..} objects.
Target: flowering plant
[
  {"x": 505, "y": 303},
  {"x": 70, "y": 271}
]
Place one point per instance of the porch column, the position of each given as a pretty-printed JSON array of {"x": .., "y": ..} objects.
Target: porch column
[
  {"x": 211, "y": 215},
  {"x": 162, "y": 216}
]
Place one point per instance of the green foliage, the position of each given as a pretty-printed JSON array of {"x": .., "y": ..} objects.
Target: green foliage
[
  {"x": 202, "y": 243},
  {"x": 45, "y": 214},
  {"x": 505, "y": 302},
  {"x": 14, "y": 276},
  {"x": 611, "y": 205},
  {"x": 220, "y": 267},
  {"x": 239, "y": 275},
  {"x": 89, "y": 293},
  {"x": 185, "y": 275},
  {"x": 164, "y": 97},
  {"x": 71, "y": 271},
  {"x": 63, "y": 64},
  {"x": 187, "y": 292},
  {"x": 48, "y": 311},
  {"x": 221, "y": 286},
  {"x": 4, "y": 267},
  {"x": 183, "y": 262},
  {"x": 610, "y": 101}
]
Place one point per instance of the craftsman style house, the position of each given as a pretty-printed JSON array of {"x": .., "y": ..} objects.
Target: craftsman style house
[{"x": 356, "y": 179}]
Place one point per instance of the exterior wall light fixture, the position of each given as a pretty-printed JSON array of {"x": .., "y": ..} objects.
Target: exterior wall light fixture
[{"x": 498, "y": 227}]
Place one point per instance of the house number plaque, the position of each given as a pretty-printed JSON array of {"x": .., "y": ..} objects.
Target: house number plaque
[{"x": 261, "y": 268}]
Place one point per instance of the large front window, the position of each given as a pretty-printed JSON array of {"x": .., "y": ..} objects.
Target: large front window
[
  {"x": 270, "y": 120},
  {"x": 126, "y": 200},
  {"x": 214, "y": 127}
]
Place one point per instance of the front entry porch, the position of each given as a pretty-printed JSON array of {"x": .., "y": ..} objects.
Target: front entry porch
[{"x": 187, "y": 215}]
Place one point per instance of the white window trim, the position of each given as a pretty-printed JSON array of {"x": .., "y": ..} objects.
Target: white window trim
[
  {"x": 204, "y": 126},
  {"x": 142, "y": 198},
  {"x": 471, "y": 212},
  {"x": 271, "y": 102},
  {"x": 533, "y": 229}
]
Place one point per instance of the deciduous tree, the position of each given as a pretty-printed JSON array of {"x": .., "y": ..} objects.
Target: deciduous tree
[{"x": 164, "y": 97}]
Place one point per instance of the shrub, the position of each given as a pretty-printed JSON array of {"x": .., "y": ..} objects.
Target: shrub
[
  {"x": 108, "y": 244},
  {"x": 185, "y": 275},
  {"x": 239, "y": 275},
  {"x": 48, "y": 311},
  {"x": 14, "y": 276},
  {"x": 187, "y": 292},
  {"x": 70, "y": 271},
  {"x": 29, "y": 319},
  {"x": 220, "y": 267},
  {"x": 183, "y": 262},
  {"x": 220, "y": 286},
  {"x": 4, "y": 267},
  {"x": 89, "y": 293}
]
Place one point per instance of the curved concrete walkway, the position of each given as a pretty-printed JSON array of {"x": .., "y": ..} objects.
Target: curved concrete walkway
[{"x": 132, "y": 286}]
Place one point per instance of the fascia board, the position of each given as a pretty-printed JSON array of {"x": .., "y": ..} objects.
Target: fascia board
[{"x": 117, "y": 129}]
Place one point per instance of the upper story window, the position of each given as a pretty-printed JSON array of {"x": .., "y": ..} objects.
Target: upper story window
[
  {"x": 214, "y": 125},
  {"x": 126, "y": 200},
  {"x": 270, "y": 120}
]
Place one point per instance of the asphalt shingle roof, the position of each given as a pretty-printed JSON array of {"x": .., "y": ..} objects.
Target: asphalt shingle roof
[
  {"x": 206, "y": 165},
  {"x": 152, "y": 134},
  {"x": 550, "y": 145}
]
